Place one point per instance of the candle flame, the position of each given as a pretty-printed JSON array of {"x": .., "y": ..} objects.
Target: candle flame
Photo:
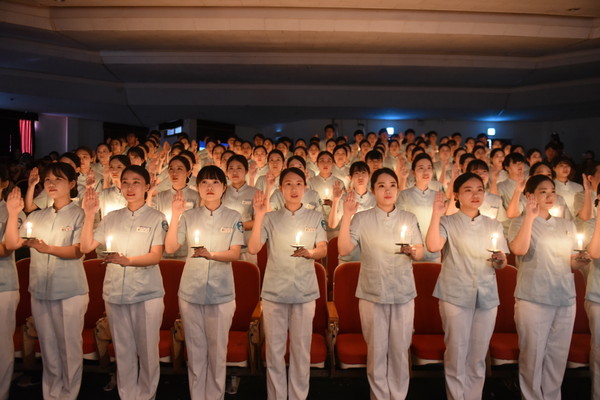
[{"x": 298, "y": 236}]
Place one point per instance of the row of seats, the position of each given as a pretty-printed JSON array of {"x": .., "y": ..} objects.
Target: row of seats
[
  {"x": 337, "y": 347},
  {"x": 428, "y": 338}
]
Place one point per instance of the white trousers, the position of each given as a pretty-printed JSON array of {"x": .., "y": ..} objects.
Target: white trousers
[
  {"x": 387, "y": 329},
  {"x": 8, "y": 308},
  {"x": 278, "y": 319},
  {"x": 593, "y": 312},
  {"x": 253, "y": 258},
  {"x": 206, "y": 328},
  {"x": 467, "y": 333},
  {"x": 59, "y": 324},
  {"x": 135, "y": 330},
  {"x": 544, "y": 338}
]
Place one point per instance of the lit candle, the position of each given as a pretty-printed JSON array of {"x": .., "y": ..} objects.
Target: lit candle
[
  {"x": 298, "y": 236},
  {"x": 494, "y": 241},
  {"x": 326, "y": 194},
  {"x": 555, "y": 211},
  {"x": 580, "y": 241},
  {"x": 403, "y": 234},
  {"x": 29, "y": 229},
  {"x": 197, "y": 238},
  {"x": 109, "y": 243}
]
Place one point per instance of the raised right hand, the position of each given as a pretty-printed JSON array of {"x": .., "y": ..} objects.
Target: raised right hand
[
  {"x": 350, "y": 205},
  {"x": 14, "y": 201},
  {"x": 177, "y": 206},
  {"x": 439, "y": 204},
  {"x": 91, "y": 204},
  {"x": 532, "y": 209},
  {"x": 34, "y": 177},
  {"x": 338, "y": 190},
  {"x": 260, "y": 203}
]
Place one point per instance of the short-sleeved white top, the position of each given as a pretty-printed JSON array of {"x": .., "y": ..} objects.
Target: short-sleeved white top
[
  {"x": 420, "y": 203},
  {"x": 592, "y": 291},
  {"x": 291, "y": 279},
  {"x": 209, "y": 281},
  {"x": 133, "y": 234},
  {"x": 385, "y": 276},
  {"x": 111, "y": 199},
  {"x": 9, "y": 279},
  {"x": 545, "y": 271},
  {"x": 567, "y": 191},
  {"x": 467, "y": 278},
  {"x": 52, "y": 277}
]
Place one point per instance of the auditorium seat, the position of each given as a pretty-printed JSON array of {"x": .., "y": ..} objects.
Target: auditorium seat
[
  {"x": 579, "y": 352},
  {"x": 345, "y": 331},
  {"x": 171, "y": 271},
  {"x": 332, "y": 263},
  {"x": 261, "y": 262},
  {"x": 94, "y": 271},
  {"x": 428, "y": 338},
  {"x": 244, "y": 335},
  {"x": 504, "y": 343}
]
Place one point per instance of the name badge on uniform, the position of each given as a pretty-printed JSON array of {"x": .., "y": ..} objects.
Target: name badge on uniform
[
  {"x": 143, "y": 229},
  {"x": 246, "y": 202},
  {"x": 225, "y": 229},
  {"x": 66, "y": 228},
  {"x": 309, "y": 229},
  {"x": 310, "y": 206}
]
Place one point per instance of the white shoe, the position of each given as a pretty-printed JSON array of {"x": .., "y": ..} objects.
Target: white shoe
[{"x": 233, "y": 382}]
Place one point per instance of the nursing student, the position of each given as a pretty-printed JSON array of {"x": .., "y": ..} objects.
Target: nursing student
[
  {"x": 57, "y": 281},
  {"x": 290, "y": 285},
  {"x": 133, "y": 289},
  {"x": 239, "y": 196},
  {"x": 111, "y": 197},
  {"x": 419, "y": 198},
  {"x": 545, "y": 291},
  {"x": 310, "y": 200},
  {"x": 386, "y": 285},
  {"x": 179, "y": 171},
  {"x": 591, "y": 233},
  {"x": 9, "y": 293},
  {"x": 466, "y": 285},
  {"x": 206, "y": 292}
]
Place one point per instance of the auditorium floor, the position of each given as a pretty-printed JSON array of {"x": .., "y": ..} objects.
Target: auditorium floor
[{"x": 174, "y": 387}]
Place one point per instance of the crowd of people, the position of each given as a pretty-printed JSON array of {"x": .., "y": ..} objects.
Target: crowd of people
[{"x": 392, "y": 201}]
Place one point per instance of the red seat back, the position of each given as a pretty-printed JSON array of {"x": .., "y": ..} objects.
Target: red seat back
[
  {"x": 427, "y": 311},
  {"x": 261, "y": 262},
  {"x": 94, "y": 271},
  {"x": 320, "y": 319},
  {"x": 90, "y": 256},
  {"x": 332, "y": 261},
  {"x": 24, "y": 307},
  {"x": 581, "y": 319},
  {"x": 507, "y": 281},
  {"x": 171, "y": 271},
  {"x": 246, "y": 277},
  {"x": 345, "y": 281}
]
